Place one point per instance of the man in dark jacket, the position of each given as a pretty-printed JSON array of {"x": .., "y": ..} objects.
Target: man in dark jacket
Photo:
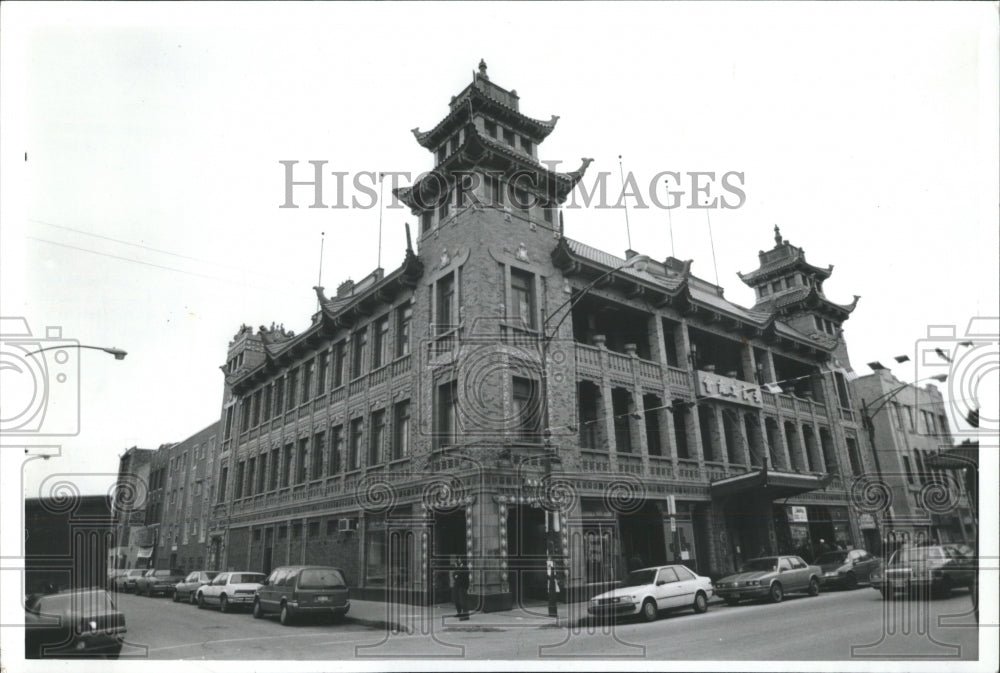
[{"x": 460, "y": 589}]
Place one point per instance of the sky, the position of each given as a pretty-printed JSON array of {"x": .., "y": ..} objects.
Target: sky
[{"x": 142, "y": 182}]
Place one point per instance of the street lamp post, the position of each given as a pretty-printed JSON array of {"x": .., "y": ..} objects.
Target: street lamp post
[
  {"x": 867, "y": 414},
  {"x": 552, "y": 523},
  {"x": 117, "y": 352}
]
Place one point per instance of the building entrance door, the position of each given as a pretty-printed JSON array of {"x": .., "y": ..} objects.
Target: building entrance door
[
  {"x": 448, "y": 545},
  {"x": 268, "y": 550},
  {"x": 526, "y": 554}
]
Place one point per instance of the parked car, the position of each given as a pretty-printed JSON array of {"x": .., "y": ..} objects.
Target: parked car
[
  {"x": 82, "y": 622},
  {"x": 159, "y": 581},
  {"x": 126, "y": 583},
  {"x": 770, "y": 577},
  {"x": 187, "y": 590},
  {"x": 229, "y": 590},
  {"x": 648, "y": 591},
  {"x": 846, "y": 568},
  {"x": 292, "y": 591},
  {"x": 936, "y": 569}
]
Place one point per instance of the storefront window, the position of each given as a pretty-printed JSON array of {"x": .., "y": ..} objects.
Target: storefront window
[{"x": 375, "y": 550}]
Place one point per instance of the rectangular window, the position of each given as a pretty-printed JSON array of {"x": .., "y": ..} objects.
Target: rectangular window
[
  {"x": 380, "y": 347},
  {"x": 307, "y": 374},
  {"x": 256, "y": 409},
  {"x": 376, "y": 437},
  {"x": 508, "y": 137},
  {"x": 321, "y": 369},
  {"x": 853, "y": 456},
  {"x": 494, "y": 191},
  {"x": 522, "y": 289},
  {"x": 445, "y": 302},
  {"x": 548, "y": 212},
  {"x": 375, "y": 553},
  {"x": 527, "y": 409},
  {"x": 404, "y": 315},
  {"x": 526, "y": 145},
  {"x": 261, "y": 472},
  {"x": 910, "y": 418},
  {"x": 314, "y": 529},
  {"x": 230, "y": 411},
  {"x": 336, "y": 449},
  {"x": 442, "y": 153},
  {"x": 240, "y": 471},
  {"x": 360, "y": 340},
  {"x": 900, "y": 423},
  {"x": 286, "y": 465},
  {"x": 426, "y": 221},
  {"x": 266, "y": 409},
  {"x": 586, "y": 395},
  {"x": 293, "y": 388},
  {"x": 339, "y": 360},
  {"x": 251, "y": 475},
  {"x": 621, "y": 402},
  {"x": 318, "y": 451},
  {"x": 272, "y": 481},
  {"x": 909, "y": 469},
  {"x": 447, "y": 394},
  {"x": 651, "y": 411},
  {"x": 244, "y": 421},
  {"x": 354, "y": 450},
  {"x": 490, "y": 128},
  {"x": 401, "y": 430},
  {"x": 279, "y": 397},
  {"x": 297, "y": 529},
  {"x": 444, "y": 206},
  {"x": 300, "y": 467}
]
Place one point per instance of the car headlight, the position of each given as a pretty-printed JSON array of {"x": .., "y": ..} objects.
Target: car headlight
[{"x": 633, "y": 598}]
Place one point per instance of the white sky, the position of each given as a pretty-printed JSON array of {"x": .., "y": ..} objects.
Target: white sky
[{"x": 868, "y": 133}]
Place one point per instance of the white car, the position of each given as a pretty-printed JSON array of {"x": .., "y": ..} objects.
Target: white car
[
  {"x": 229, "y": 590},
  {"x": 649, "y": 590}
]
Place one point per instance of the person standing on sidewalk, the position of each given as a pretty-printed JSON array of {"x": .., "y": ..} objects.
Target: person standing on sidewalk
[{"x": 460, "y": 589}]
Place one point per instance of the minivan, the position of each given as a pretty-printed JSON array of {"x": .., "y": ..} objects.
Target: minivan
[{"x": 293, "y": 591}]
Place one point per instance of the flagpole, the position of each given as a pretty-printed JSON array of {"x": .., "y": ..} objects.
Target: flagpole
[{"x": 621, "y": 173}]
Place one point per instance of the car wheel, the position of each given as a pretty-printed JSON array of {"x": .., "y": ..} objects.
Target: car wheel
[
  {"x": 286, "y": 616},
  {"x": 732, "y": 602},
  {"x": 223, "y": 603},
  {"x": 201, "y": 601},
  {"x": 175, "y": 598},
  {"x": 943, "y": 590},
  {"x": 648, "y": 610},
  {"x": 776, "y": 593},
  {"x": 258, "y": 612},
  {"x": 191, "y": 598},
  {"x": 700, "y": 603},
  {"x": 814, "y": 587},
  {"x": 851, "y": 582}
]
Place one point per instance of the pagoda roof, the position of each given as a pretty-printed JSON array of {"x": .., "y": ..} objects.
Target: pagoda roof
[
  {"x": 805, "y": 297},
  {"x": 488, "y": 99},
  {"x": 481, "y": 151},
  {"x": 672, "y": 283},
  {"x": 781, "y": 259}
]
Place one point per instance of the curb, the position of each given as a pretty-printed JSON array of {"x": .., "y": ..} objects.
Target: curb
[{"x": 380, "y": 624}]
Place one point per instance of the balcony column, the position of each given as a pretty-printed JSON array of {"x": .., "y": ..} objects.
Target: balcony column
[
  {"x": 749, "y": 364},
  {"x": 817, "y": 453},
  {"x": 607, "y": 406},
  {"x": 742, "y": 437},
  {"x": 719, "y": 431},
  {"x": 668, "y": 439},
  {"x": 770, "y": 375},
  {"x": 683, "y": 340},
  {"x": 638, "y": 427},
  {"x": 803, "y": 448}
]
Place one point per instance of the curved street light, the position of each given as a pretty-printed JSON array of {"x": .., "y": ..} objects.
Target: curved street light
[
  {"x": 553, "y": 541},
  {"x": 117, "y": 352}
]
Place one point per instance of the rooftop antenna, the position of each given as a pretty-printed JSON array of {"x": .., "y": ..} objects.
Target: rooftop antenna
[
  {"x": 711, "y": 240},
  {"x": 319, "y": 280},
  {"x": 621, "y": 173},
  {"x": 670, "y": 222},
  {"x": 381, "y": 184}
]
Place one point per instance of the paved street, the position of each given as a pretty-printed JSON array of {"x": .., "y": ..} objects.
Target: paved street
[{"x": 824, "y": 627}]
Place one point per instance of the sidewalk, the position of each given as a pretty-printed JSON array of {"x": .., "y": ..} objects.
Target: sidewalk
[{"x": 422, "y": 619}]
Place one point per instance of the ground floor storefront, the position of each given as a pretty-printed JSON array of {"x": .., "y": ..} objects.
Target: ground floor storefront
[{"x": 524, "y": 536}]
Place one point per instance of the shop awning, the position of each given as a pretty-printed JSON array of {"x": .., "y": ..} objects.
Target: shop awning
[
  {"x": 145, "y": 552},
  {"x": 955, "y": 458},
  {"x": 769, "y": 484}
]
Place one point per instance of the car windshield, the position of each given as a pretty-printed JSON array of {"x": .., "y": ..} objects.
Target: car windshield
[
  {"x": 832, "y": 557},
  {"x": 246, "y": 578},
  {"x": 637, "y": 578},
  {"x": 210, "y": 575},
  {"x": 321, "y": 578},
  {"x": 760, "y": 565},
  {"x": 916, "y": 555}
]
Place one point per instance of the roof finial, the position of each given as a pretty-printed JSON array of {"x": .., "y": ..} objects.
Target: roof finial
[
  {"x": 777, "y": 235},
  {"x": 482, "y": 69}
]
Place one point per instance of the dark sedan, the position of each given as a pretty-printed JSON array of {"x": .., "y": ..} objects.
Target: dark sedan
[
  {"x": 161, "y": 581},
  {"x": 83, "y": 622},
  {"x": 933, "y": 569},
  {"x": 847, "y": 568},
  {"x": 769, "y": 577}
]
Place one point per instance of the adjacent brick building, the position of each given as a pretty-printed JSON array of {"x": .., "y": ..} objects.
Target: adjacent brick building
[{"x": 504, "y": 370}]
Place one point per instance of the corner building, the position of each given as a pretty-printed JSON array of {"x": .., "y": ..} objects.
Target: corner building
[{"x": 504, "y": 371}]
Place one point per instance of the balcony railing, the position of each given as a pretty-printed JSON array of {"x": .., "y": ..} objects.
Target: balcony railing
[
  {"x": 629, "y": 463},
  {"x": 678, "y": 378}
]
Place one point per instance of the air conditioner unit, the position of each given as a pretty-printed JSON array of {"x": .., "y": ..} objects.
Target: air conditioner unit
[{"x": 347, "y": 525}]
